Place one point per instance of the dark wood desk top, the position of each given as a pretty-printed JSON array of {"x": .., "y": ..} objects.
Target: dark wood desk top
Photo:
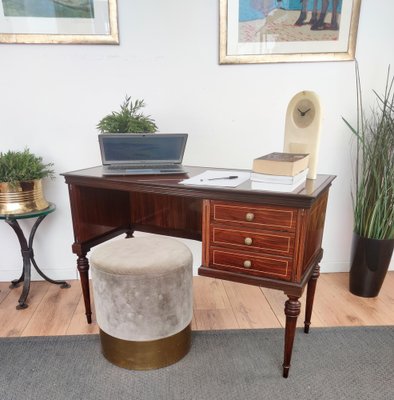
[{"x": 169, "y": 185}]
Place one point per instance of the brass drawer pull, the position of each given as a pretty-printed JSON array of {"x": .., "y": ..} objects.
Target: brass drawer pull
[
  {"x": 247, "y": 263},
  {"x": 248, "y": 241},
  {"x": 249, "y": 217}
]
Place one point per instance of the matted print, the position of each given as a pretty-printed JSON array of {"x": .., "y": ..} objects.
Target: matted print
[{"x": 263, "y": 31}]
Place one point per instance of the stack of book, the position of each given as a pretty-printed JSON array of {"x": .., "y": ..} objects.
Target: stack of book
[{"x": 280, "y": 172}]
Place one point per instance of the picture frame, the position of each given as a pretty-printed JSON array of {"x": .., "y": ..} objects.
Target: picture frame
[
  {"x": 59, "y": 21},
  {"x": 275, "y": 31}
]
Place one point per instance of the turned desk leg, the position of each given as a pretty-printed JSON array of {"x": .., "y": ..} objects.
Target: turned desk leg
[
  {"x": 292, "y": 311},
  {"x": 310, "y": 295},
  {"x": 83, "y": 268}
]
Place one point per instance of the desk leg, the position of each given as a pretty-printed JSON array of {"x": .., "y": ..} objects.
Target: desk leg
[
  {"x": 292, "y": 311},
  {"x": 83, "y": 268},
  {"x": 310, "y": 295}
]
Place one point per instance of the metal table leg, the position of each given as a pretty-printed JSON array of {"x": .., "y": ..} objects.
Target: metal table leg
[{"x": 28, "y": 259}]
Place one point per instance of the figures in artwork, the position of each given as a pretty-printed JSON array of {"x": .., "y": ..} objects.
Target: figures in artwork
[
  {"x": 317, "y": 21},
  {"x": 304, "y": 10}
]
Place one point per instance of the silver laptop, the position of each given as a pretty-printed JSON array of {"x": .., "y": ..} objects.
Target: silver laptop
[{"x": 142, "y": 154}]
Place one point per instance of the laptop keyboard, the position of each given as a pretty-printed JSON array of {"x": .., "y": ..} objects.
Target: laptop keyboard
[{"x": 154, "y": 166}]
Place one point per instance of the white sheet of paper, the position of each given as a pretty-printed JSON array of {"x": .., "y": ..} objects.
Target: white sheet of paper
[{"x": 218, "y": 178}]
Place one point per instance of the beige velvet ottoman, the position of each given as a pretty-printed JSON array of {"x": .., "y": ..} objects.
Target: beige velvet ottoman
[{"x": 142, "y": 291}]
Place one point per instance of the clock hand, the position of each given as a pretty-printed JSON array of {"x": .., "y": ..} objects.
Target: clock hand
[{"x": 302, "y": 113}]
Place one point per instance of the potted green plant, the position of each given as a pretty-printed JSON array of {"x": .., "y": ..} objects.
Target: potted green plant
[
  {"x": 21, "y": 174},
  {"x": 373, "y": 192},
  {"x": 128, "y": 120}
]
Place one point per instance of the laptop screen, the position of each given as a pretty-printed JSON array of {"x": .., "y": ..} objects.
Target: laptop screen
[{"x": 142, "y": 148}]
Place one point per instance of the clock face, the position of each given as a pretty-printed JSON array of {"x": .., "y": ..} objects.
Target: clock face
[{"x": 303, "y": 113}]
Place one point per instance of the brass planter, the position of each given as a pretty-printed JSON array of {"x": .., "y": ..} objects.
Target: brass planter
[{"x": 22, "y": 197}]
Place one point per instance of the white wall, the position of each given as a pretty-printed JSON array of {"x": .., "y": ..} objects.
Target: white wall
[{"x": 52, "y": 97}]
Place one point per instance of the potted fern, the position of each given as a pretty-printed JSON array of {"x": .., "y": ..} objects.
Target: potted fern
[
  {"x": 21, "y": 174},
  {"x": 129, "y": 119},
  {"x": 373, "y": 192}
]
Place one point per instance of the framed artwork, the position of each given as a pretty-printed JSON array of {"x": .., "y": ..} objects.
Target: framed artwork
[
  {"x": 267, "y": 31},
  {"x": 58, "y": 21}
]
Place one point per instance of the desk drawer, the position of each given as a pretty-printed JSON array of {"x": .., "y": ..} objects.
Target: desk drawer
[
  {"x": 246, "y": 263},
  {"x": 262, "y": 217},
  {"x": 281, "y": 244}
]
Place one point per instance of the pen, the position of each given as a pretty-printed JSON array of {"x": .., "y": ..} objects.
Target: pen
[{"x": 224, "y": 177}]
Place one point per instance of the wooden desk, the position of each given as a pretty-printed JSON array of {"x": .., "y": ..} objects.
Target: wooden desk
[{"x": 260, "y": 238}]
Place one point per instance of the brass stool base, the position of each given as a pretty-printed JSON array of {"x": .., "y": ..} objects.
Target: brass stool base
[{"x": 146, "y": 355}]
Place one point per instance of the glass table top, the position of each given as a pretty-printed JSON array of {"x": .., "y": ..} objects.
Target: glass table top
[{"x": 32, "y": 214}]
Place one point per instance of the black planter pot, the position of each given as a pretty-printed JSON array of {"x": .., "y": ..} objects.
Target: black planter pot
[{"x": 370, "y": 261}]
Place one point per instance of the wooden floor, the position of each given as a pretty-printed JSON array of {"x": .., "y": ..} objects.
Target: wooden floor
[{"x": 217, "y": 305}]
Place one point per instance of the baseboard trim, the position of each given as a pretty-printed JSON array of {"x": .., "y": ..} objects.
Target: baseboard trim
[{"x": 56, "y": 274}]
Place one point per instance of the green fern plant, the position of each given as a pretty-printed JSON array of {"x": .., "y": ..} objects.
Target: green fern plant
[
  {"x": 128, "y": 120},
  {"x": 18, "y": 166},
  {"x": 373, "y": 192}
]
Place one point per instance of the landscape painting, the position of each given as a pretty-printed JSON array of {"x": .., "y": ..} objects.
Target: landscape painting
[
  {"x": 49, "y": 8},
  {"x": 254, "y": 31},
  {"x": 58, "y": 21}
]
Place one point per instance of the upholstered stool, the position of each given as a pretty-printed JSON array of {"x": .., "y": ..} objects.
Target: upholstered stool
[{"x": 143, "y": 298}]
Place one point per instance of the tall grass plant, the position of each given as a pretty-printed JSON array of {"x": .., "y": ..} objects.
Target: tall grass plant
[{"x": 373, "y": 191}]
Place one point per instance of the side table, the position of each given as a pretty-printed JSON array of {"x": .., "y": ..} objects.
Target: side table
[{"x": 27, "y": 250}]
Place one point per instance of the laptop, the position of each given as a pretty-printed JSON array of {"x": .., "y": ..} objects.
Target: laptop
[{"x": 142, "y": 154}]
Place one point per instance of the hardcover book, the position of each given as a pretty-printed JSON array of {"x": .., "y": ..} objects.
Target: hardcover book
[
  {"x": 277, "y": 187},
  {"x": 283, "y": 179},
  {"x": 288, "y": 164}
]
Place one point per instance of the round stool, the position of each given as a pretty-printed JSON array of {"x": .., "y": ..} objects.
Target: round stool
[{"x": 143, "y": 298}]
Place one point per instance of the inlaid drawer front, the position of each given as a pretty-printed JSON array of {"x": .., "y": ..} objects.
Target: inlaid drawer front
[
  {"x": 266, "y": 217},
  {"x": 267, "y": 242},
  {"x": 272, "y": 267}
]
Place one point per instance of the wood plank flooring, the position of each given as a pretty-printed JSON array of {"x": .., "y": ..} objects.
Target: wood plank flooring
[{"x": 217, "y": 305}]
